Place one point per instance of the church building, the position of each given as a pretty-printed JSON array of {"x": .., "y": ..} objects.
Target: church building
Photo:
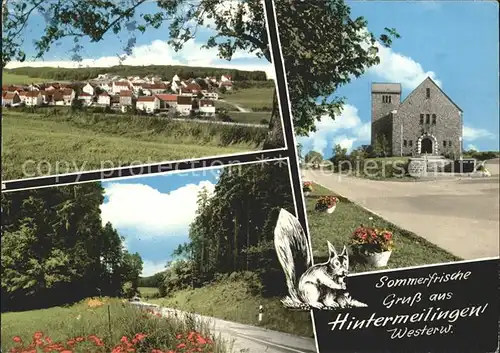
[{"x": 426, "y": 122}]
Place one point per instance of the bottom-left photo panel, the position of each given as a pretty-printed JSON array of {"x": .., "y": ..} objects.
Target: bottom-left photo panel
[{"x": 175, "y": 262}]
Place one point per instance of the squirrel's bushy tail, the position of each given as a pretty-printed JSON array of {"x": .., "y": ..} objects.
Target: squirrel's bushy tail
[{"x": 292, "y": 249}]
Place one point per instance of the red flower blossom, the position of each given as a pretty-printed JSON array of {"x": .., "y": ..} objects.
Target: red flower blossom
[
  {"x": 181, "y": 345},
  {"x": 179, "y": 336},
  {"x": 37, "y": 335},
  {"x": 17, "y": 339}
]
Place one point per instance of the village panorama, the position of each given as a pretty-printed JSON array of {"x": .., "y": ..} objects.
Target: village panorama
[{"x": 149, "y": 94}]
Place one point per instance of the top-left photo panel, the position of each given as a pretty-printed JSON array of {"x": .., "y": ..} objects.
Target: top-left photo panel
[{"x": 90, "y": 85}]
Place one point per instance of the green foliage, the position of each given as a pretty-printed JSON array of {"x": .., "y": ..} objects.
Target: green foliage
[
  {"x": 55, "y": 249},
  {"x": 481, "y": 155},
  {"x": 381, "y": 147},
  {"x": 167, "y": 71},
  {"x": 63, "y": 323},
  {"x": 313, "y": 157},
  {"x": 233, "y": 229}
]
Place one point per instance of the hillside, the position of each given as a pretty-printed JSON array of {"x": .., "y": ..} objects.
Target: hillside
[{"x": 164, "y": 71}]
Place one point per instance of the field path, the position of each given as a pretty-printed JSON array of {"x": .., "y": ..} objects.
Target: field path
[
  {"x": 240, "y": 109},
  {"x": 460, "y": 216},
  {"x": 250, "y": 339}
]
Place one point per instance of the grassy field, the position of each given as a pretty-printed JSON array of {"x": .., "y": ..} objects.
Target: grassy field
[
  {"x": 148, "y": 292},
  {"x": 251, "y": 98},
  {"x": 250, "y": 118},
  {"x": 13, "y": 79},
  {"x": 85, "y": 327},
  {"x": 232, "y": 300},
  {"x": 35, "y": 145},
  {"x": 411, "y": 250}
]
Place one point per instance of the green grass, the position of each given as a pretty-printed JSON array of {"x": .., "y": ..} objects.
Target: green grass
[
  {"x": 232, "y": 300},
  {"x": 250, "y": 118},
  {"x": 251, "y": 98},
  {"x": 224, "y": 105},
  {"x": 13, "y": 79},
  {"x": 64, "y": 323},
  {"x": 411, "y": 250},
  {"x": 148, "y": 292},
  {"x": 35, "y": 144}
]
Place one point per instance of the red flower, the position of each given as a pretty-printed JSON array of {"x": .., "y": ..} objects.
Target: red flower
[
  {"x": 179, "y": 336},
  {"x": 140, "y": 336},
  {"x": 181, "y": 345},
  {"x": 17, "y": 339},
  {"x": 66, "y": 351},
  {"x": 97, "y": 341},
  {"x": 79, "y": 339},
  {"x": 156, "y": 351},
  {"x": 37, "y": 335},
  {"x": 201, "y": 340}
]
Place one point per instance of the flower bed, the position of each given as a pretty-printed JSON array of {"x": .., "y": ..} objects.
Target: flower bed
[{"x": 326, "y": 202}]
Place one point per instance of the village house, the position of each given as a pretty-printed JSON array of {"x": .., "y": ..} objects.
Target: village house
[
  {"x": 149, "y": 104},
  {"x": 184, "y": 105},
  {"x": 68, "y": 95},
  {"x": 22, "y": 96},
  {"x": 10, "y": 98},
  {"x": 57, "y": 98},
  {"x": 115, "y": 101},
  {"x": 167, "y": 101},
  {"x": 103, "y": 77},
  {"x": 120, "y": 86},
  {"x": 226, "y": 78},
  {"x": 33, "y": 98},
  {"x": 33, "y": 87},
  {"x": 86, "y": 98},
  {"x": 227, "y": 85},
  {"x": 46, "y": 97},
  {"x": 206, "y": 107},
  {"x": 210, "y": 95},
  {"x": 88, "y": 88},
  {"x": 126, "y": 100},
  {"x": 104, "y": 99},
  {"x": 153, "y": 88},
  {"x": 195, "y": 88},
  {"x": 426, "y": 122}
]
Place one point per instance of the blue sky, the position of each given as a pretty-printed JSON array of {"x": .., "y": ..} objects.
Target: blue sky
[
  {"x": 456, "y": 43},
  {"x": 153, "y": 213},
  {"x": 150, "y": 49}
]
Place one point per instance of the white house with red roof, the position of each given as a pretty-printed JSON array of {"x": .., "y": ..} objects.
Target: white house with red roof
[
  {"x": 226, "y": 78},
  {"x": 184, "y": 105},
  {"x": 33, "y": 98},
  {"x": 104, "y": 99},
  {"x": 206, "y": 107},
  {"x": 119, "y": 86},
  {"x": 167, "y": 101},
  {"x": 149, "y": 104},
  {"x": 86, "y": 98}
]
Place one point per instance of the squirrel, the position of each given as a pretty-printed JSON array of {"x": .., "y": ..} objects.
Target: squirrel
[{"x": 320, "y": 286}]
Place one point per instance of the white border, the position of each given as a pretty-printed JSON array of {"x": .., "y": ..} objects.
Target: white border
[
  {"x": 294, "y": 146},
  {"x": 305, "y": 208},
  {"x": 285, "y": 148},
  {"x": 152, "y": 175}
]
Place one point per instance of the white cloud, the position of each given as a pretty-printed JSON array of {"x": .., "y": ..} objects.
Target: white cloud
[
  {"x": 149, "y": 212},
  {"x": 470, "y": 146},
  {"x": 398, "y": 68},
  {"x": 159, "y": 52},
  {"x": 472, "y": 134},
  {"x": 346, "y": 129},
  {"x": 150, "y": 268}
]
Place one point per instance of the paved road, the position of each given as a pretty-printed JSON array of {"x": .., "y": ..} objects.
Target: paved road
[
  {"x": 460, "y": 215},
  {"x": 251, "y": 339}
]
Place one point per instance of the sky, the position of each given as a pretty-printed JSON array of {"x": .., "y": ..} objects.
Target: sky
[
  {"x": 153, "y": 213},
  {"x": 151, "y": 48},
  {"x": 455, "y": 43}
]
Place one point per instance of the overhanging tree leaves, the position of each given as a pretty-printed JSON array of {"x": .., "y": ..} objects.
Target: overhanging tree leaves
[{"x": 323, "y": 47}]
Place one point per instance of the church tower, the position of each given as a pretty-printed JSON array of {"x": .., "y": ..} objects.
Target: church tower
[{"x": 386, "y": 98}]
